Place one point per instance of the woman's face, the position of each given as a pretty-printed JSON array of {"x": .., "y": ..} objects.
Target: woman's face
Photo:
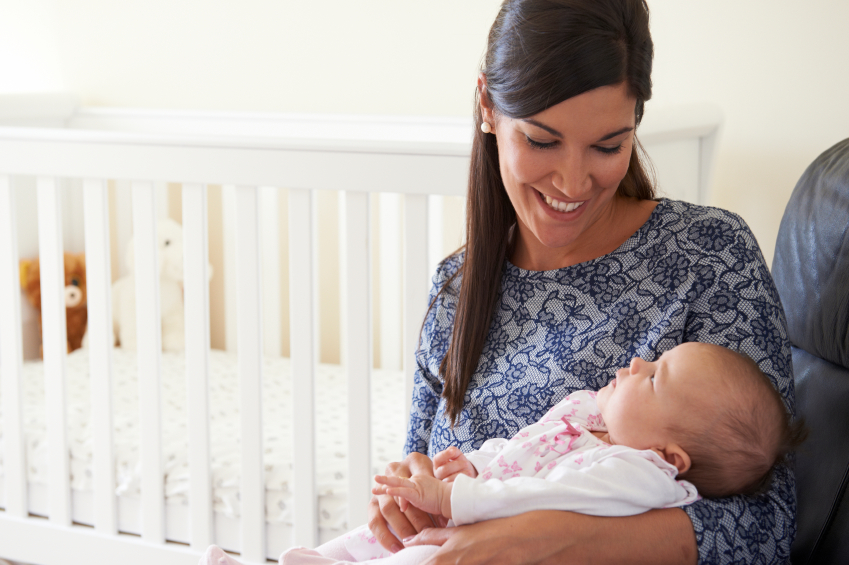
[{"x": 561, "y": 168}]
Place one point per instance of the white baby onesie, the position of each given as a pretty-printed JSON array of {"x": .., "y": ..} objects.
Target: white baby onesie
[{"x": 555, "y": 464}]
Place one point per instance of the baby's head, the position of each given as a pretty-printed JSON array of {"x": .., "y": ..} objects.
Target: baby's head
[{"x": 707, "y": 410}]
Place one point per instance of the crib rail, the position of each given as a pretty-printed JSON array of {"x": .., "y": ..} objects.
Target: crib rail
[
  {"x": 140, "y": 163},
  {"x": 363, "y": 166}
]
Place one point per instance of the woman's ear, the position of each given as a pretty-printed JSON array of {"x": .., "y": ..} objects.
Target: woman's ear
[
  {"x": 486, "y": 105},
  {"x": 675, "y": 455}
]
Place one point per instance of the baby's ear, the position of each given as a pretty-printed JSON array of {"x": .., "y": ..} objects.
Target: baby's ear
[{"x": 675, "y": 455}]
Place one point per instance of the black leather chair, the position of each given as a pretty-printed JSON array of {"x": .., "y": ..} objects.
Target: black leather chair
[{"x": 811, "y": 270}]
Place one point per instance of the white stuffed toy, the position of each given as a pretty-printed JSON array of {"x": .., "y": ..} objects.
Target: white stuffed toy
[{"x": 170, "y": 257}]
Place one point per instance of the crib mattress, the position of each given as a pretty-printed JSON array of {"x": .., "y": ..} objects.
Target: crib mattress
[{"x": 388, "y": 424}]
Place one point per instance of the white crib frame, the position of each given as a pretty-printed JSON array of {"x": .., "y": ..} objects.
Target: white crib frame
[{"x": 417, "y": 158}]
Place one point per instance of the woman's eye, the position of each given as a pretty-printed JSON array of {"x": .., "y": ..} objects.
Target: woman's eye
[
  {"x": 610, "y": 150},
  {"x": 652, "y": 379},
  {"x": 540, "y": 145}
]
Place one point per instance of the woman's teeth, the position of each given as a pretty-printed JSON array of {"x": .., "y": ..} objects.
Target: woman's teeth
[{"x": 560, "y": 206}]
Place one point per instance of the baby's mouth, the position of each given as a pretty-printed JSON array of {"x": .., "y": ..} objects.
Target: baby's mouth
[{"x": 559, "y": 205}]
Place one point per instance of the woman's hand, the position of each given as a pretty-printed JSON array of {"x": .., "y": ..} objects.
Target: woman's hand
[
  {"x": 383, "y": 511},
  {"x": 500, "y": 541},
  {"x": 549, "y": 536},
  {"x": 452, "y": 462}
]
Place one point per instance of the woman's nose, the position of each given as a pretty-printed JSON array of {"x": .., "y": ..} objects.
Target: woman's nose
[{"x": 571, "y": 178}]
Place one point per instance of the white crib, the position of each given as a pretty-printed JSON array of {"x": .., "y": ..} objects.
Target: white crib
[{"x": 257, "y": 158}]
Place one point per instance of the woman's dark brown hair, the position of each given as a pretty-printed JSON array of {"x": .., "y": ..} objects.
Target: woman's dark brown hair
[{"x": 539, "y": 53}]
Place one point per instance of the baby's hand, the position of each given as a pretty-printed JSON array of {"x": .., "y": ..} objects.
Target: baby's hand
[
  {"x": 422, "y": 491},
  {"x": 450, "y": 463}
]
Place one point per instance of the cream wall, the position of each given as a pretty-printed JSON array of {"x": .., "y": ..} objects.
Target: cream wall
[
  {"x": 29, "y": 49},
  {"x": 778, "y": 68},
  {"x": 780, "y": 71},
  {"x": 366, "y": 57}
]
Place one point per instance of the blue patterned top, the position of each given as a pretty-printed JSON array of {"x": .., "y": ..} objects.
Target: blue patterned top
[{"x": 690, "y": 273}]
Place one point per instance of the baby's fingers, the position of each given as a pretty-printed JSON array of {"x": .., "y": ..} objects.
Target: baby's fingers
[
  {"x": 393, "y": 482},
  {"x": 403, "y": 496},
  {"x": 446, "y": 455},
  {"x": 450, "y": 469}
]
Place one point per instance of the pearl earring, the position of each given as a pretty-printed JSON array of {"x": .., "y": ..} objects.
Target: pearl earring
[{"x": 485, "y": 127}]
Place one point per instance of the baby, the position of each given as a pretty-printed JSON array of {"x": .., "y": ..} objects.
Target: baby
[{"x": 701, "y": 420}]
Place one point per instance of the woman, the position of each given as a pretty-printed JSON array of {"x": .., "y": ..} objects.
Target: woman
[{"x": 571, "y": 268}]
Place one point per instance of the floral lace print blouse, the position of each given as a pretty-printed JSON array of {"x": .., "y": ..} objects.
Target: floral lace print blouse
[{"x": 690, "y": 273}]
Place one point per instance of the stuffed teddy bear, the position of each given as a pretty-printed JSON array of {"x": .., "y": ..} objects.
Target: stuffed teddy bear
[
  {"x": 169, "y": 236},
  {"x": 76, "y": 314}
]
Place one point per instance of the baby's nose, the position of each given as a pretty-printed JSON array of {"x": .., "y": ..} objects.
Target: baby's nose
[{"x": 636, "y": 363}]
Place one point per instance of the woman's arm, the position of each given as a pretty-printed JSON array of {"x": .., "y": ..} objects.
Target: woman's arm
[
  {"x": 383, "y": 511},
  {"x": 734, "y": 303},
  {"x": 554, "y": 537},
  {"x": 427, "y": 387},
  {"x": 746, "y": 529}
]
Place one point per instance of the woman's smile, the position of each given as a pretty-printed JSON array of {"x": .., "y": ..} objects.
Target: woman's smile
[{"x": 560, "y": 206}]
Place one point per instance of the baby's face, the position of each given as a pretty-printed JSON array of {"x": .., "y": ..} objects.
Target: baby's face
[{"x": 647, "y": 398}]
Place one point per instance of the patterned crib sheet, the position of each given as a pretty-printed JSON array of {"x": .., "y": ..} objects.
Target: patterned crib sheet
[{"x": 388, "y": 427}]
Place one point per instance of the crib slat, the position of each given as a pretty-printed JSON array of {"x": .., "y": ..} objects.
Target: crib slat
[
  {"x": 390, "y": 298},
  {"x": 357, "y": 284},
  {"x": 415, "y": 282},
  {"x": 249, "y": 345},
  {"x": 228, "y": 225},
  {"x": 196, "y": 278},
  {"x": 271, "y": 326},
  {"x": 149, "y": 349},
  {"x": 302, "y": 308},
  {"x": 54, "y": 338},
  {"x": 98, "y": 282},
  {"x": 11, "y": 349}
]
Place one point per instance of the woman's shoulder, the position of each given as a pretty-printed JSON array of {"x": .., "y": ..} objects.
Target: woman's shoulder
[
  {"x": 691, "y": 214},
  {"x": 703, "y": 229},
  {"x": 448, "y": 270},
  {"x": 678, "y": 214},
  {"x": 444, "y": 293}
]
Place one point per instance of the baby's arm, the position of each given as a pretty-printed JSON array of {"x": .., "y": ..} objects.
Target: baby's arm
[
  {"x": 433, "y": 495},
  {"x": 422, "y": 491},
  {"x": 452, "y": 462},
  {"x": 620, "y": 482}
]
